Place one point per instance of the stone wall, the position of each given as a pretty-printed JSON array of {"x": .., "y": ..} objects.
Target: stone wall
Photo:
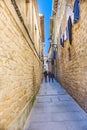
[
  {"x": 72, "y": 61},
  {"x": 20, "y": 69}
]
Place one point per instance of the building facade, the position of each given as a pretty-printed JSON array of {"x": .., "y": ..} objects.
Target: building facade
[
  {"x": 71, "y": 56},
  {"x": 50, "y": 58},
  {"x": 45, "y": 67},
  {"x": 21, "y": 39}
]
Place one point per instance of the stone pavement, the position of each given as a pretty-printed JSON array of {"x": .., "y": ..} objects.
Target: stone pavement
[{"x": 54, "y": 109}]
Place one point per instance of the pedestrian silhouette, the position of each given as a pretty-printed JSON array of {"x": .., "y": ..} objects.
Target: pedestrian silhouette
[
  {"x": 45, "y": 75},
  {"x": 52, "y": 77},
  {"x": 49, "y": 75}
]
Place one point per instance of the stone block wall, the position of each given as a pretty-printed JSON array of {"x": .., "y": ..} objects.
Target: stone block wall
[
  {"x": 72, "y": 61},
  {"x": 20, "y": 70}
]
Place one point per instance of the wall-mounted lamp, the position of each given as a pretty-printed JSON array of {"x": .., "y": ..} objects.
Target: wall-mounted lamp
[{"x": 54, "y": 45}]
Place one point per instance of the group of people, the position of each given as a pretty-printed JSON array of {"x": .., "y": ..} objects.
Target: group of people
[{"x": 50, "y": 76}]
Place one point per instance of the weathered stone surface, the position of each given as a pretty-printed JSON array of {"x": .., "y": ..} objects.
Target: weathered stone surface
[
  {"x": 72, "y": 60},
  {"x": 20, "y": 67}
]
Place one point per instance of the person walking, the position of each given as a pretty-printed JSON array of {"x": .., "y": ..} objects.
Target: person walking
[
  {"x": 45, "y": 75},
  {"x": 49, "y": 75},
  {"x": 52, "y": 77}
]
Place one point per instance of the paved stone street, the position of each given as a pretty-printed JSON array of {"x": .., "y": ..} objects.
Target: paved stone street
[{"x": 54, "y": 109}]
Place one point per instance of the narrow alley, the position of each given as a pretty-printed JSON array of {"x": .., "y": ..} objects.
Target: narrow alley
[
  {"x": 54, "y": 109},
  {"x": 43, "y": 40}
]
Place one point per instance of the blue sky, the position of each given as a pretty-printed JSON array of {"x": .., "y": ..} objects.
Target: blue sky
[{"x": 45, "y": 7}]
